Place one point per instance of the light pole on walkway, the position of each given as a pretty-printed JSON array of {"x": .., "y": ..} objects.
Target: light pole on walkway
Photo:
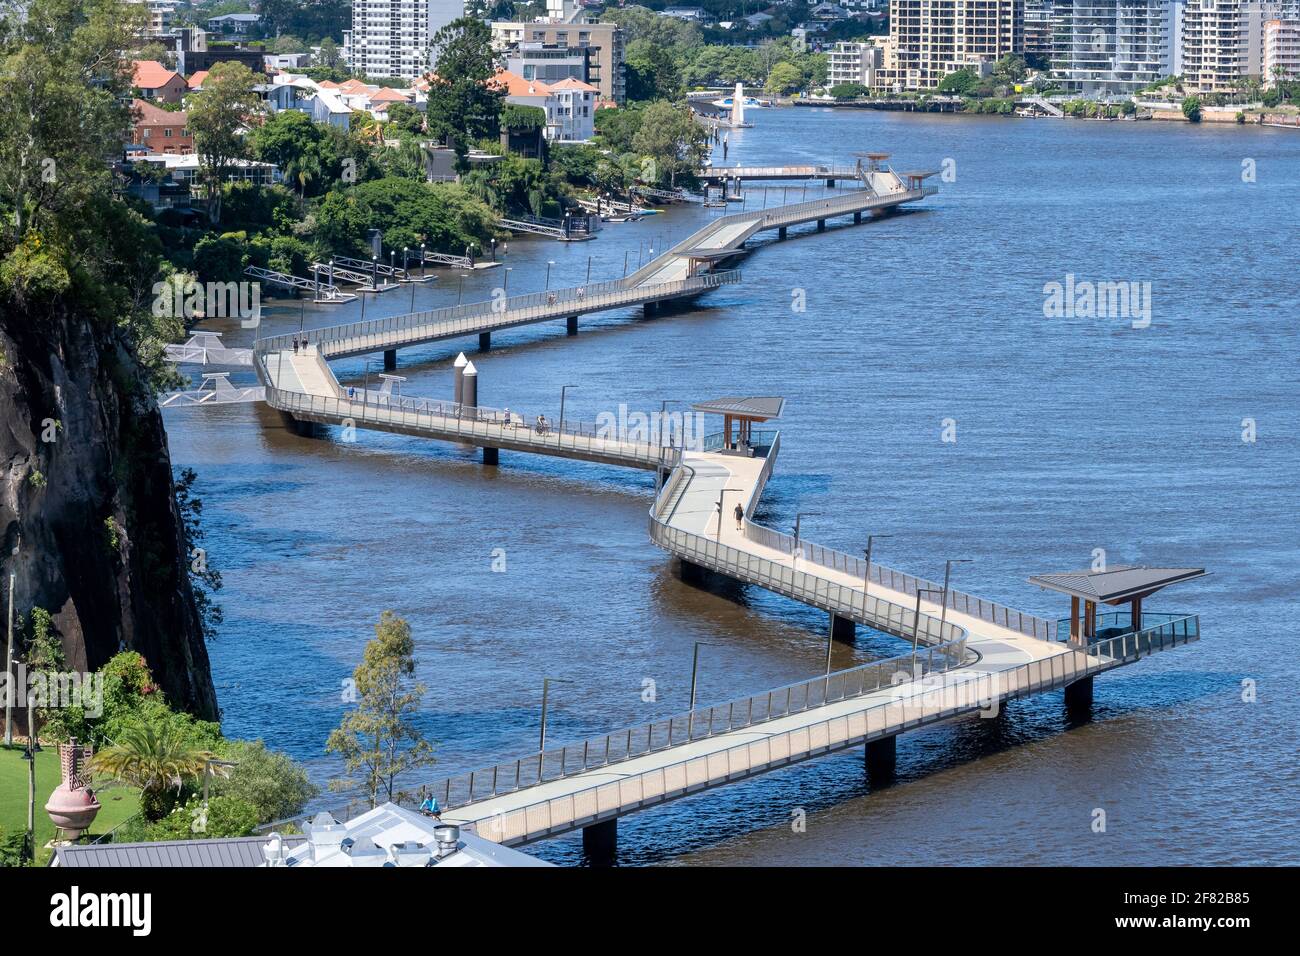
[
  {"x": 695, "y": 669},
  {"x": 563, "y": 390},
  {"x": 866, "y": 578},
  {"x": 916, "y": 623},
  {"x": 798, "y": 518},
  {"x": 947, "y": 574},
  {"x": 546, "y": 695}
]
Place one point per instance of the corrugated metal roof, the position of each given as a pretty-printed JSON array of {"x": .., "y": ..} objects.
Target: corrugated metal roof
[
  {"x": 1116, "y": 583},
  {"x": 754, "y": 406},
  {"x": 231, "y": 852}
]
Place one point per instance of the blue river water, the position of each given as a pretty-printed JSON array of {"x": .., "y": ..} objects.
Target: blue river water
[{"x": 1073, "y": 433}]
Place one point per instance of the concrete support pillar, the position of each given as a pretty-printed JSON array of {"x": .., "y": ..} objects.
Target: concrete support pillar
[
  {"x": 571, "y": 325},
  {"x": 882, "y": 758},
  {"x": 857, "y": 217},
  {"x": 691, "y": 573},
  {"x": 1078, "y": 699},
  {"x": 600, "y": 842},
  {"x": 491, "y": 456},
  {"x": 830, "y": 184},
  {"x": 780, "y": 232},
  {"x": 650, "y": 308},
  {"x": 390, "y": 359},
  {"x": 842, "y": 629},
  {"x": 821, "y": 225},
  {"x": 484, "y": 341}
]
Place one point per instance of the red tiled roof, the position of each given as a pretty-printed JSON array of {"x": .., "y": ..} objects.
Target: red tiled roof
[
  {"x": 150, "y": 75},
  {"x": 570, "y": 83},
  {"x": 516, "y": 85},
  {"x": 197, "y": 78},
  {"x": 390, "y": 96},
  {"x": 149, "y": 113}
]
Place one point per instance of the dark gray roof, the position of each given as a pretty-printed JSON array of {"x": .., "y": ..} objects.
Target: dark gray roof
[
  {"x": 756, "y": 406},
  {"x": 1119, "y": 583},
  {"x": 236, "y": 851}
]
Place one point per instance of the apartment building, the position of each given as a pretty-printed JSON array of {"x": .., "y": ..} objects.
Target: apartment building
[
  {"x": 1106, "y": 49},
  {"x": 1223, "y": 42},
  {"x": 932, "y": 38},
  {"x": 395, "y": 37},
  {"x": 1038, "y": 30},
  {"x": 603, "y": 43},
  {"x": 1281, "y": 51},
  {"x": 854, "y": 62}
]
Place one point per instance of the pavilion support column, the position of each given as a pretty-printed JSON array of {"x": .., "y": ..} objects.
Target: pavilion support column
[
  {"x": 882, "y": 760},
  {"x": 1076, "y": 633},
  {"x": 1135, "y": 614},
  {"x": 571, "y": 325},
  {"x": 484, "y": 341},
  {"x": 600, "y": 842},
  {"x": 843, "y": 629},
  {"x": 390, "y": 359}
]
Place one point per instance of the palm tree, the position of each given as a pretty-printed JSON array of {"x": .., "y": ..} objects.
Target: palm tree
[{"x": 157, "y": 760}]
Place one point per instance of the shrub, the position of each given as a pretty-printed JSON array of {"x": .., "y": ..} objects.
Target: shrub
[
  {"x": 223, "y": 817},
  {"x": 266, "y": 780}
]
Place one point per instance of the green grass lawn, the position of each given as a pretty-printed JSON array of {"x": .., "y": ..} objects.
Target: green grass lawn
[{"x": 116, "y": 805}]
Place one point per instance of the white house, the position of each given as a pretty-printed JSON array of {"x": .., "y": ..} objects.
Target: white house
[{"x": 571, "y": 111}]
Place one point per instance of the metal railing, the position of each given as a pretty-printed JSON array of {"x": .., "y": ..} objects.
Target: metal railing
[
  {"x": 491, "y": 427},
  {"x": 575, "y": 758},
  {"x": 394, "y": 331},
  {"x": 777, "y": 216},
  {"x": 901, "y": 711}
]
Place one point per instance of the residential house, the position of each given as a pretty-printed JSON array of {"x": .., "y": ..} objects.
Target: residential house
[
  {"x": 159, "y": 130},
  {"x": 238, "y": 24},
  {"x": 156, "y": 82},
  {"x": 574, "y": 110}
]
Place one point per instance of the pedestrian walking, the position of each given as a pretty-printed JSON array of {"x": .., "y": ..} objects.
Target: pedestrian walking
[{"x": 740, "y": 518}]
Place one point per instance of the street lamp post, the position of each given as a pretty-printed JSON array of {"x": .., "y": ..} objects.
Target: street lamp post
[
  {"x": 505, "y": 282},
  {"x": 866, "y": 578},
  {"x": 947, "y": 573},
  {"x": 797, "y": 520},
  {"x": 460, "y": 288},
  {"x": 549, "y": 263},
  {"x": 422, "y": 263},
  {"x": 546, "y": 694},
  {"x": 695, "y": 669},
  {"x": 563, "y": 390},
  {"x": 588, "y": 270},
  {"x": 916, "y": 623},
  {"x": 722, "y": 494}
]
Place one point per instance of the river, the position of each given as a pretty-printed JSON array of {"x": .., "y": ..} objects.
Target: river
[{"x": 1072, "y": 434}]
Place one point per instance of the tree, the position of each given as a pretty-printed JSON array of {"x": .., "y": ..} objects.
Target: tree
[
  {"x": 377, "y": 739},
  {"x": 463, "y": 104},
  {"x": 63, "y": 93},
  {"x": 651, "y": 71},
  {"x": 1192, "y": 109},
  {"x": 783, "y": 78},
  {"x": 671, "y": 139},
  {"x": 848, "y": 91},
  {"x": 153, "y": 757},
  {"x": 217, "y": 119},
  {"x": 962, "y": 82},
  {"x": 267, "y": 780},
  {"x": 329, "y": 53}
]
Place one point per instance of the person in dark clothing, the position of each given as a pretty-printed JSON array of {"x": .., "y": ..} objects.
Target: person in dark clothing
[{"x": 740, "y": 518}]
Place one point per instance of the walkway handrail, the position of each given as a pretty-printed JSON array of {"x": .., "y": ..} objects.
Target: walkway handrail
[
  {"x": 476, "y": 425},
  {"x": 493, "y": 314},
  {"x": 571, "y": 759},
  {"x": 567, "y": 811}
]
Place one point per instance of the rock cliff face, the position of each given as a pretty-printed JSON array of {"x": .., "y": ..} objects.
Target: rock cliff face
[{"x": 86, "y": 499}]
